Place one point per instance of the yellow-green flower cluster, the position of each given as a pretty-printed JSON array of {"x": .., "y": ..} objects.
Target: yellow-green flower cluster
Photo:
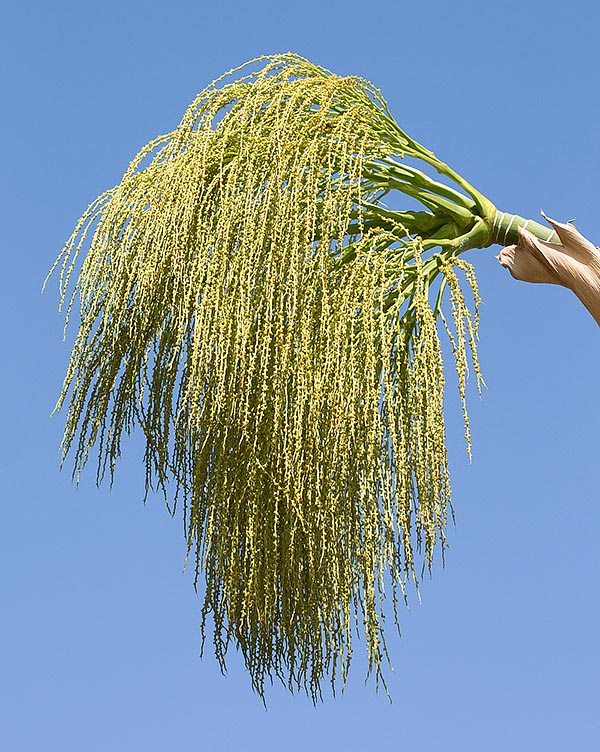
[{"x": 248, "y": 301}]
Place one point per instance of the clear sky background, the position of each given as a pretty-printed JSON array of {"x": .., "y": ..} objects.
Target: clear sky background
[{"x": 99, "y": 636}]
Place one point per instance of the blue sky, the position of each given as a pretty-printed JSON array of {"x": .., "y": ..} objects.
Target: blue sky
[{"x": 99, "y": 635}]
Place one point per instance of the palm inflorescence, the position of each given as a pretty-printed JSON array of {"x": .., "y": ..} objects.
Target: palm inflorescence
[{"x": 250, "y": 299}]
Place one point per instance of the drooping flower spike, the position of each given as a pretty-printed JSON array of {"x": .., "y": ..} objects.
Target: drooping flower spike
[{"x": 251, "y": 299}]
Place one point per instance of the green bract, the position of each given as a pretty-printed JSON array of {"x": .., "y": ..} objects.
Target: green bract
[{"x": 249, "y": 301}]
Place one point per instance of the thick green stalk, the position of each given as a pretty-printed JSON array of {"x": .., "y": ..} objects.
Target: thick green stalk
[{"x": 505, "y": 229}]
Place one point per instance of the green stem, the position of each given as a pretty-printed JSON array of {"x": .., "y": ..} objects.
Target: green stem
[
  {"x": 502, "y": 228},
  {"x": 401, "y": 173},
  {"x": 505, "y": 229}
]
